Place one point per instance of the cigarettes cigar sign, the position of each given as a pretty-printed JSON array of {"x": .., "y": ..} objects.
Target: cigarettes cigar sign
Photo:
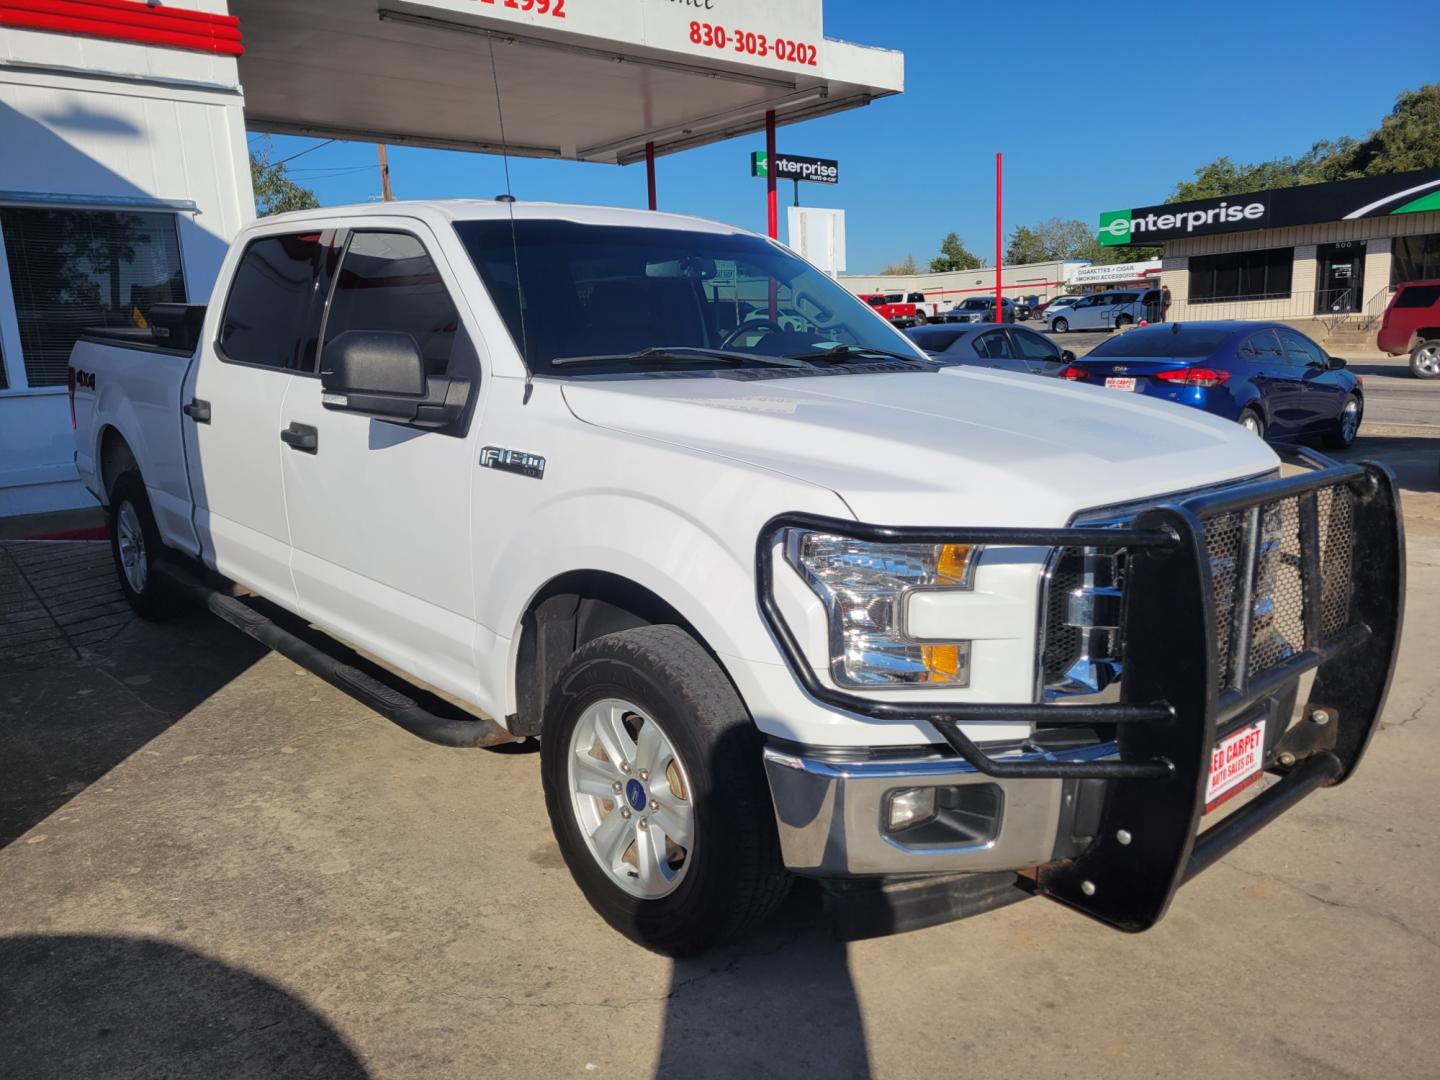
[{"x": 1371, "y": 196}]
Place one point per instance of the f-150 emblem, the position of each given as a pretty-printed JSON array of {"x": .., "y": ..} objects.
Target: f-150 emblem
[{"x": 516, "y": 461}]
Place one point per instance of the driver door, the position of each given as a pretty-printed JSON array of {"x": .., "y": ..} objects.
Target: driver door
[{"x": 379, "y": 512}]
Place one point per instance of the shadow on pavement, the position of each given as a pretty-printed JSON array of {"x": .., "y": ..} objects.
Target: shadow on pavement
[
  {"x": 73, "y": 1006},
  {"x": 1416, "y": 460},
  {"x": 781, "y": 1005},
  {"x": 65, "y": 725}
]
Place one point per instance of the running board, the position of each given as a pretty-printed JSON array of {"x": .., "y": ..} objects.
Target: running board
[{"x": 390, "y": 703}]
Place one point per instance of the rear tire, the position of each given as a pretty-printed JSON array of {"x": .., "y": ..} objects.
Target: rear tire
[
  {"x": 1253, "y": 422},
  {"x": 706, "y": 787},
  {"x": 136, "y": 546},
  {"x": 1059, "y": 326},
  {"x": 1425, "y": 360},
  {"x": 1122, "y": 320},
  {"x": 1347, "y": 426}
]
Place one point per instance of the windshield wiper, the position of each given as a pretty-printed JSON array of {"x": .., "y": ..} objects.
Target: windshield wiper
[
  {"x": 678, "y": 352},
  {"x": 851, "y": 352}
]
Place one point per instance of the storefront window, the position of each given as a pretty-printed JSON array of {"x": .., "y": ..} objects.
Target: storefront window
[
  {"x": 1241, "y": 275},
  {"x": 71, "y": 270},
  {"x": 1416, "y": 258}
]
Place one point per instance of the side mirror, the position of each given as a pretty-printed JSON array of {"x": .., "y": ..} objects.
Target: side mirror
[
  {"x": 1066, "y": 356},
  {"x": 382, "y": 375},
  {"x": 1336, "y": 363}
]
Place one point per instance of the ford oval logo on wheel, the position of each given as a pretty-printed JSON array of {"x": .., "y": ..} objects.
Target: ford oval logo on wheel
[{"x": 635, "y": 792}]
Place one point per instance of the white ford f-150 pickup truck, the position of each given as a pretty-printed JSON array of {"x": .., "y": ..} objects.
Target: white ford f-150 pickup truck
[{"x": 776, "y": 594}]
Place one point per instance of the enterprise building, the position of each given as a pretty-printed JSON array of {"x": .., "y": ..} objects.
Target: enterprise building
[{"x": 1328, "y": 252}]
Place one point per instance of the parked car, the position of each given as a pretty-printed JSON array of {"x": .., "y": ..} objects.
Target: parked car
[
  {"x": 1268, "y": 377},
  {"x": 1104, "y": 311},
  {"x": 1009, "y": 348},
  {"x": 1053, "y": 306},
  {"x": 979, "y": 309},
  {"x": 1412, "y": 325},
  {"x": 776, "y": 598}
]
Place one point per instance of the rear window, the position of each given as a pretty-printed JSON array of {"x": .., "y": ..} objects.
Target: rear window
[
  {"x": 933, "y": 339},
  {"x": 875, "y": 301},
  {"x": 1162, "y": 342},
  {"x": 1417, "y": 296}
]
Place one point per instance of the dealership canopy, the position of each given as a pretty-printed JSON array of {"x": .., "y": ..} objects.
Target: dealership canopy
[{"x": 590, "y": 80}]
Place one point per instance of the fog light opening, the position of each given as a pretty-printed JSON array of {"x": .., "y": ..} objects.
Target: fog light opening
[{"x": 909, "y": 807}]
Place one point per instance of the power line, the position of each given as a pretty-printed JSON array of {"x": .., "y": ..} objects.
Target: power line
[{"x": 302, "y": 153}]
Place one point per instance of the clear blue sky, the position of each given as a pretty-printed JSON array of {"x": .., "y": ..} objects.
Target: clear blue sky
[{"x": 1153, "y": 94}]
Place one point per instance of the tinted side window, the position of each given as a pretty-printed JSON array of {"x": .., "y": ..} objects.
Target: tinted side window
[
  {"x": 272, "y": 315},
  {"x": 389, "y": 283},
  {"x": 1302, "y": 351},
  {"x": 1418, "y": 296},
  {"x": 1262, "y": 348},
  {"x": 1033, "y": 346},
  {"x": 994, "y": 346}
]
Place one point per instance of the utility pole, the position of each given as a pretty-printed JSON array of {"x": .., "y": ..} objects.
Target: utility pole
[{"x": 385, "y": 192}]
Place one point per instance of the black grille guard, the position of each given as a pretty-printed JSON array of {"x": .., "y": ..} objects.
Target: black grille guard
[{"x": 1174, "y": 702}]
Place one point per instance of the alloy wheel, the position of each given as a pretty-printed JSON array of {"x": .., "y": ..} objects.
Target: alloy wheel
[
  {"x": 1427, "y": 359},
  {"x": 130, "y": 537},
  {"x": 631, "y": 796},
  {"x": 1350, "y": 421}
]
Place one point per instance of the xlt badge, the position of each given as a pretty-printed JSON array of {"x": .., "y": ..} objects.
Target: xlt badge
[{"x": 516, "y": 461}]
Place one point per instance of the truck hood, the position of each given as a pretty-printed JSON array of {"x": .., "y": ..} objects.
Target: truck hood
[{"x": 962, "y": 446}]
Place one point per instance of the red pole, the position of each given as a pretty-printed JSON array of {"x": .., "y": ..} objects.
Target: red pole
[
  {"x": 770, "y": 175},
  {"x": 772, "y": 205},
  {"x": 650, "y": 171},
  {"x": 999, "y": 243}
]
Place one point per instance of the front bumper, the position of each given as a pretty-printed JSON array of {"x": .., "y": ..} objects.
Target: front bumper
[
  {"x": 1200, "y": 659},
  {"x": 831, "y": 813}
]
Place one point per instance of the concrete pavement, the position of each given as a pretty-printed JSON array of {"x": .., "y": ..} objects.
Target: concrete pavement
[{"x": 217, "y": 865}]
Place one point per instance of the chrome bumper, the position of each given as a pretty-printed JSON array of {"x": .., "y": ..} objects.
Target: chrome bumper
[{"x": 831, "y": 814}]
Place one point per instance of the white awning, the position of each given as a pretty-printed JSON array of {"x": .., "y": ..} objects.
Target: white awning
[{"x": 594, "y": 83}]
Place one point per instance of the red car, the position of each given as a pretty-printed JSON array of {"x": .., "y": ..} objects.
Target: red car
[{"x": 1412, "y": 324}]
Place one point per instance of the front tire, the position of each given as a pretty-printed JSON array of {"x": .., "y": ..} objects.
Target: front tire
[
  {"x": 136, "y": 546},
  {"x": 1347, "y": 426},
  {"x": 1059, "y": 326},
  {"x": 1425, "y": 360},
  {"x": 656, "y": 792}
]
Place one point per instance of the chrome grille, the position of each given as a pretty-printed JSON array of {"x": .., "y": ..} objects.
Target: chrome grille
[{"x": 1255, "y": 558}]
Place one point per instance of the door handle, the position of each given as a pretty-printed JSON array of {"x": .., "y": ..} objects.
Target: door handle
[
  {"x": 198, "y": 410},
  {"x": 301, "y": 437}
]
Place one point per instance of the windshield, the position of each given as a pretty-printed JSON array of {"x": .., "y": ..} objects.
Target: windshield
[
  {"x": 975, "y": 305},
  {"x": 605, "y": 290},
  {"x": 1162, "y": 342},
  {"x": 874, "y": 301}
]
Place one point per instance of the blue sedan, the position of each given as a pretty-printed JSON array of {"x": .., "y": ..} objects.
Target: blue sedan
[{"x": 1267, "y": 376}]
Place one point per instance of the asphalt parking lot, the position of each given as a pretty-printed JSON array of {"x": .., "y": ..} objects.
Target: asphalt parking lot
[{"x": 214, "y": 864}]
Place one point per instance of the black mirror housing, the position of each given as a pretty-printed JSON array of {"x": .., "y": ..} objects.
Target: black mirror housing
[
  {"x": 382, "y": 375},
  {"x": 1336, "y": 363}
]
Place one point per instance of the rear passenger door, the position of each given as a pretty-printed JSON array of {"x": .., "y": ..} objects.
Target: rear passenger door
[
  {"x": 1278, "y": 382},
  {"x": 264, "y": 333},
  {"x": 379, "y": 512}
]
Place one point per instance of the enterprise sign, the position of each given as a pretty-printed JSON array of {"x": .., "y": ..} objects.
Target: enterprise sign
[
  {"x": 793, "y": 167},
  {"x": 1371, "y": 196}
]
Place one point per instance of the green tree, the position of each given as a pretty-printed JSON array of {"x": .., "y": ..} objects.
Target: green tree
[
  {"x": 275, "y": 192},
  {"x": 1049, "y": 240},
  {"x": 907, "y": 265},
  {"x": 1409, "y": 138},
  {"x": 954, "y": 256}
]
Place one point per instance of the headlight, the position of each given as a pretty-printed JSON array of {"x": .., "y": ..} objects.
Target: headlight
[{"x": 865, "y": 588}]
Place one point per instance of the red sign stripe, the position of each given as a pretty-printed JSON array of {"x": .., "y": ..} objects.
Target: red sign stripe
[{"x": 126, "y": 20}]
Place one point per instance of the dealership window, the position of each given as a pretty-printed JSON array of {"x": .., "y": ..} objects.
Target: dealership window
[
  {"x": 71, "y": 270},
  {"x": 1415, "y": 258},
  {"x": 1241, "y": 275}
]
